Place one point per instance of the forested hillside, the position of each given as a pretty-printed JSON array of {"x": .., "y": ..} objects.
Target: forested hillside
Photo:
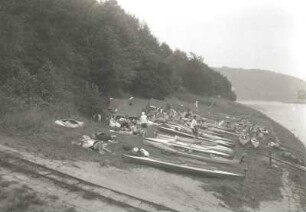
[
  {"x": 81, "y": 51},
  {"x": 262, "y": 85}
]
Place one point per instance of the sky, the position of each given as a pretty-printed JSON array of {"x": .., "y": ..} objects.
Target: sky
[{"x": 263, "y": 34}]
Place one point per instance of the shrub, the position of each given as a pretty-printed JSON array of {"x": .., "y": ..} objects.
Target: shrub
[{"x": 89, "y": 101}]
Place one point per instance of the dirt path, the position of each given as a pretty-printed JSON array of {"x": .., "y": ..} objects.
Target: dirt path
[
  {"x": 52, "y": 197},
  {"x": 290, "y": 198},
  {"x": 175, "y": 191},
  {"x": 289, "y": 203}
]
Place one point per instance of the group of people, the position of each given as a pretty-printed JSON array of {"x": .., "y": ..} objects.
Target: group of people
[
  {"x": 129, "y": 125},
  {"x": 154, "y": 115},
  {"x": 184, "y": 117}
]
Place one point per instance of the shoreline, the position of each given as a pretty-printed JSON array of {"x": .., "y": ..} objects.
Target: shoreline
[
  {"x": 283, "y": 133},
  {"x": 296, "y": 190},
  {"x": 297, "y": 101},
  {"x": 294, "y": 121}
]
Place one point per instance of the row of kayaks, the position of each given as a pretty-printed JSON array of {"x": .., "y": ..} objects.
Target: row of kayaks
[
  {"x": 197, "y": 144},
  {"x": 210, "y": 129},
  {"x": 211, "y": 148},
  {"x": 203, "y": 133},
  {"x": 203, "y": 136},
  {"x": 220, "y": 131},
  {"x": 192, "y": 147},
  {"x": 202, "y": 154}
]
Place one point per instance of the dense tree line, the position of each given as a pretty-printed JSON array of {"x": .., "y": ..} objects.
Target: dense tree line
[{"x": 59, "y": 50}]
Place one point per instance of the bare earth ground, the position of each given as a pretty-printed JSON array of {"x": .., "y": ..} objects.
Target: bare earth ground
[
  {"x": 21, "y": 192},
  {"x": 279, "y": 188}
]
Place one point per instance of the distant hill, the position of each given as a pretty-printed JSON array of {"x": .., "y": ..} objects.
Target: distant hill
[{"x": 254, "y": 84}]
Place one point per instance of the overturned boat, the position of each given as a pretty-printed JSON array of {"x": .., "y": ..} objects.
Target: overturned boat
[
  {"x": 180, "y": 168},
  {"x": 255, "y": 142},
  {"x": 244, "y": 139}
]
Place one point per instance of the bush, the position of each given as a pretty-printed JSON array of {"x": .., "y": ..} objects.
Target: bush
[{"x": 89, "y": 101}]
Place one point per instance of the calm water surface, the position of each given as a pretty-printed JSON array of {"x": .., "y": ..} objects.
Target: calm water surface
[{"x": 291, "y": 116}]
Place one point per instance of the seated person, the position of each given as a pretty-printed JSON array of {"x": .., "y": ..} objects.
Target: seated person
[{"x": 125, "y": 123}]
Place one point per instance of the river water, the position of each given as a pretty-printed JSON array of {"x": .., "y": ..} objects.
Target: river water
[{"x": 291, "y": 116}]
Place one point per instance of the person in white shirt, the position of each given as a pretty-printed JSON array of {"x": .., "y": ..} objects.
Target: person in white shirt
[
  {"x": 194, "y": 125},
  {"x": 143, "y": 120},
  {"x": 131, "y": 100},
  {"x": 196, "y": 104}
]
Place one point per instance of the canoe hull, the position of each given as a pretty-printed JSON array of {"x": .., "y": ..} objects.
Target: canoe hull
[
  {"x": 244, "y": 141},
  {"x": 169, "y": 166},
  {"x": 255, "y": 143}
]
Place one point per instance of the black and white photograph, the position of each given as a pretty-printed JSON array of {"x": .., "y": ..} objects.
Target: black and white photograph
[{"x": 152, "y": 106}]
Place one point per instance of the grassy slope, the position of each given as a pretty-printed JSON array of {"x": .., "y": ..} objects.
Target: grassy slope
[{"x": 35, "y": 132}]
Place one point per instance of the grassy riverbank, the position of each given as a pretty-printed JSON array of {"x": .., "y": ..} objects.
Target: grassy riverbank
[{"x": 33, "y": 131}]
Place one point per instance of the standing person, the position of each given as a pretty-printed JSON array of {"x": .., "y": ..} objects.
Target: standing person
[
  {"x": 143, "y": 122},
  {"x": 194, "y": 126},
  {"x": 131, "y": 101},
  {"x": 196, "y": 104}
]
